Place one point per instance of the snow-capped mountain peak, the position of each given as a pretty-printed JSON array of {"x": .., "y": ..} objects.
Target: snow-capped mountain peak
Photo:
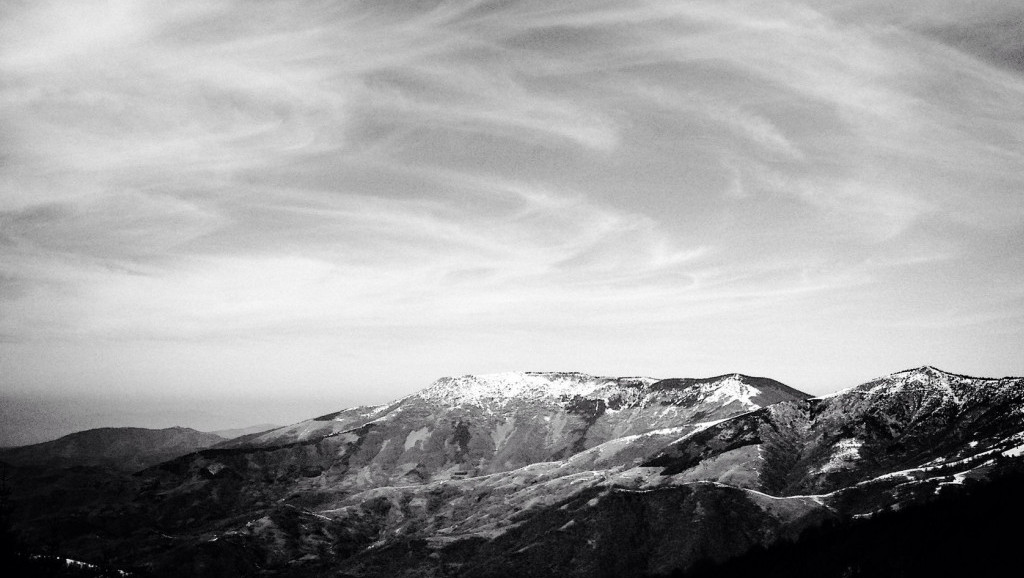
[
  {"x": 925, "y": 371},
  {"x": 550, "y": 464},
  {"x": 730, "y": 388},
  {"x": 929, "y": 389},
  {"x": 926, "y": 378},
  {"x": 501, "y": 388}
]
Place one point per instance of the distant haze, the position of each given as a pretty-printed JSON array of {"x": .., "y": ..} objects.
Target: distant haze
[
  {"x": 221, "y": 213},
  {"x": 32, "y": 419}
]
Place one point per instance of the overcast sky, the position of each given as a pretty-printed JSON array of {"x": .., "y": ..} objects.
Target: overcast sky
[{"x": 336, "y": 202}]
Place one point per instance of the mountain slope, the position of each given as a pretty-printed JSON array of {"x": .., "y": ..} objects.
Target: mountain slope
[
  {"x": 234, "y": 433},
  {"x": 564, "y": 474},
  {"x": 124, "y": 448},
  {"x": 478, "y": 425},
  {"x": 971, "y": 530},
  {"x": 892, "y": 441},
  {"x": 462, "y": 457},
  {"x": 915, "y": 421}
]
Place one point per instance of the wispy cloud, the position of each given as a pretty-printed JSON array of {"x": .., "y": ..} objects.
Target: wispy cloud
[{"x": 203, "y": 172}]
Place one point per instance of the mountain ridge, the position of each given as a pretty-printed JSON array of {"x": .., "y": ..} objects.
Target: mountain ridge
[
  {"x": 124, "y": 448},
  {"x": 500, "y": 392},
  {"x": 547, "y": 484}
]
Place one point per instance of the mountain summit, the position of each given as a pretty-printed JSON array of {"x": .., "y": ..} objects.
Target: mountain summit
[
  {"x": 566, "y": 409},
  {"x": 562, "y": 474}
]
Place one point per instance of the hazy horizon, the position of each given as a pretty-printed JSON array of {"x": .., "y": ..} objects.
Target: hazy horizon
[
  {"x": 27, "y": 419},
  {"x": 217, "y": 209}
]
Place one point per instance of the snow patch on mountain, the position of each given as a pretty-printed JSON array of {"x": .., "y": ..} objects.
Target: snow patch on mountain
[
  {"x": 376, "y": 410},
  {"x": 77, "y": 565},
  {"x": 696, "y": 427},
  {"x": 844, "y": 454},
  {"x": 417, "y": 436},
  {"x": 502, "y": 388},
  {"x": 926, "y": 376},
  {"x": 839, "y": 393},
  {"x": 502, "y": 432},
  {"x": 1014, "y": 452},
  {"x": 610, "y": 448},
  {"x": 728, "y": 390}
]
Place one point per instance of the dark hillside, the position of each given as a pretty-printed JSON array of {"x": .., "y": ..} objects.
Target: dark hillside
[
  {"x": 972, "y": 530},
  {"x": 127, "y": 449}
]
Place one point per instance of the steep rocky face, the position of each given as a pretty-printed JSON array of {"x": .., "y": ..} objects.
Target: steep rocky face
[
  {"x": 456, "y": 429},
  {"x": 919, "y": 420},
  {"x": 746, "y": 480},
  {"x": 568, "y": 475},
  {"x": 478, "y": 425}
]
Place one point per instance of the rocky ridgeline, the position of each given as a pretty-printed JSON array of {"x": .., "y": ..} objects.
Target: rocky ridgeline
[{"x": 566, "y": 474}]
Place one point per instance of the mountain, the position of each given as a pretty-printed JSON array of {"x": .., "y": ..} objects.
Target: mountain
[
  {"x": 896, "y": 430},
  {"x": 230, "y": 434},
  {"x": 477, "y": 425},
  {"x": 551, "y": 474},
  {"x": 125, "y": 448},
  {"x": 974, "y": 526}
]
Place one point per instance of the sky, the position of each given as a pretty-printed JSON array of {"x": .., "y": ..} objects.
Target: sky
[{"x": 220, "y": 212}]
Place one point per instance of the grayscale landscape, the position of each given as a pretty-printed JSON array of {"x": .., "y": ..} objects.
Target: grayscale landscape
[{"x": 460, "y": 288}]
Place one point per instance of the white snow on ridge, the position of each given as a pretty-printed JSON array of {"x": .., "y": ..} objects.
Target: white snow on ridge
[
  {"x": 1014, "y": 452},
  {"x": 894, "y": 382},
  {"x": 78, "y": 564},
  {"x": 838, "y": 393},
  {"x": 697, "y": 427},
  {"x": 729, "y": 390},
  {"x": 845, "y": 452},
  {"x": 610, "y": 447},
  {"x": 376, "y": 409},
  {"x": 949, "y": 386},
  {"x": 501, "y": 388}
]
